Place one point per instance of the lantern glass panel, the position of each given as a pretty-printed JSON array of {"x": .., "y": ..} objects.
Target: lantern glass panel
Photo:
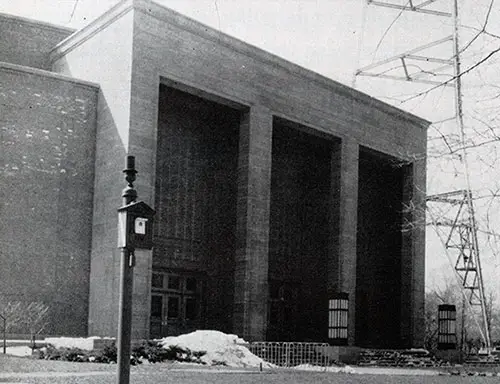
[{"x": 338, "y": 319}]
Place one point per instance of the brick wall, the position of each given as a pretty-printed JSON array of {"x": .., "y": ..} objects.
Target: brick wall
[
  {"x": 28, "y": 42},
  {"x": 47, "y": 127}
]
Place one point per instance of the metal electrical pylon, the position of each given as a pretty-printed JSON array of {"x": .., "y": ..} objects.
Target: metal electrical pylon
[
  {"x": 428, "y": 65},
  {"x": 462, "y": 240},
  {"x": 420, "y": 64},
  {"x": 411, "y": 5},
  {"x": 410, "y": 68}
]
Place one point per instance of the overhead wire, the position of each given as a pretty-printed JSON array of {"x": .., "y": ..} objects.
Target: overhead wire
[
  {"x": 389, "y": 28},
  {"x": 360, "y": 41},
  {"x": 73, "y": 11}
]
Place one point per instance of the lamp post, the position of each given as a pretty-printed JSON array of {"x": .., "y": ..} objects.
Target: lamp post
[
  {"x": 134, "y": 231},
  {"x": 4, "y": 331}
]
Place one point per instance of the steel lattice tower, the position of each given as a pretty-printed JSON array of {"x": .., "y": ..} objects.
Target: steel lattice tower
[{"x": 461, "y": 241}]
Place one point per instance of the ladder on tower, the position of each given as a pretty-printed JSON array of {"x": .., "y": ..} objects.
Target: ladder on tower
[{"x": 462, "y": 241}]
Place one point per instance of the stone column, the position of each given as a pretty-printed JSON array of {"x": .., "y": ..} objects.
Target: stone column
[
  {"x": 413, "y": 255},
  {"x": 252, "y": 226},
  {"x": 345, "y": 173}
]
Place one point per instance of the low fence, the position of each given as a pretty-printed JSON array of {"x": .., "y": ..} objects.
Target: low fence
[{"x": 289, "y": 354}]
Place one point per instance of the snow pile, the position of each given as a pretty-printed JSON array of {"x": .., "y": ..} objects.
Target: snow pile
[
  {"x": 220, "y": 348},
  {"x": 19, "y": 351},
  {"x": 316, "y": 368},
  {"x": 85, "y": 343}
]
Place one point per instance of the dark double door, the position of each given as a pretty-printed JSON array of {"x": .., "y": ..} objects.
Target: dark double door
[{"x": 175, "y": 305}]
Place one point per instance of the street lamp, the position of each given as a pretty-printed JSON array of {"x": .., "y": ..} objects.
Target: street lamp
[
  {"x": 4, "y": 331},
  {"x": 135, "y": 231},
  {"x": 338, "y": 312},
  {"x": 447, "y": 318}
]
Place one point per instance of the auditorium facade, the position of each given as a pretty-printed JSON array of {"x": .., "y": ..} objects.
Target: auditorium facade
[{"x": 275, "y": 188}]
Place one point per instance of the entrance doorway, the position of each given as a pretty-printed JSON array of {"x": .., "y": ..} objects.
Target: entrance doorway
[
  {"x": 283, "y": 311},
  {"x": 379, "y": 250},
  {"x": 175, "y": 304}
]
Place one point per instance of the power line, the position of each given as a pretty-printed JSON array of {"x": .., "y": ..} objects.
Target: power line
[{"x": 73, "y": 11}]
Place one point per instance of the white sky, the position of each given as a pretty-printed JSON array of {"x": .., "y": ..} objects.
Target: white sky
[{"x": 324, "y": 36}]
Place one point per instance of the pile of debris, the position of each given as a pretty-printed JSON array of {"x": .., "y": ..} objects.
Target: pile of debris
[{"x": 408, "y": 358}]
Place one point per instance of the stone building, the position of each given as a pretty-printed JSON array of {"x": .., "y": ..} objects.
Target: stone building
[{"x": 275, "y": 188}]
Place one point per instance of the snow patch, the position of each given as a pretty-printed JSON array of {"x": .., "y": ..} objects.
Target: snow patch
[
  {"x": 316, "y": 368},
  {"x": 19, "y": 351},
  {"x": 87, "y": 344},
  {"x": 220, "y": 348}
]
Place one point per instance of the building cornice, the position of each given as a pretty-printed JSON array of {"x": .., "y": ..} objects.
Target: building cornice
[
  {"x": 190, "y": 25},
  {"x": 36, "y": 23},
  {"x": 8, "y": 67},
  {"x": 172, "y": 17}
]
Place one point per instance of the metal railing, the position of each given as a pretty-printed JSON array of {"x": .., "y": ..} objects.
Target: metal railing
[{"x": 291, "y": 354}]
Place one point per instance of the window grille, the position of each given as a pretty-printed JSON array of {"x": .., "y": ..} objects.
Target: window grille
[
  {"x": 447, "y": 318},
  {"x": 338, "y": 309}
]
